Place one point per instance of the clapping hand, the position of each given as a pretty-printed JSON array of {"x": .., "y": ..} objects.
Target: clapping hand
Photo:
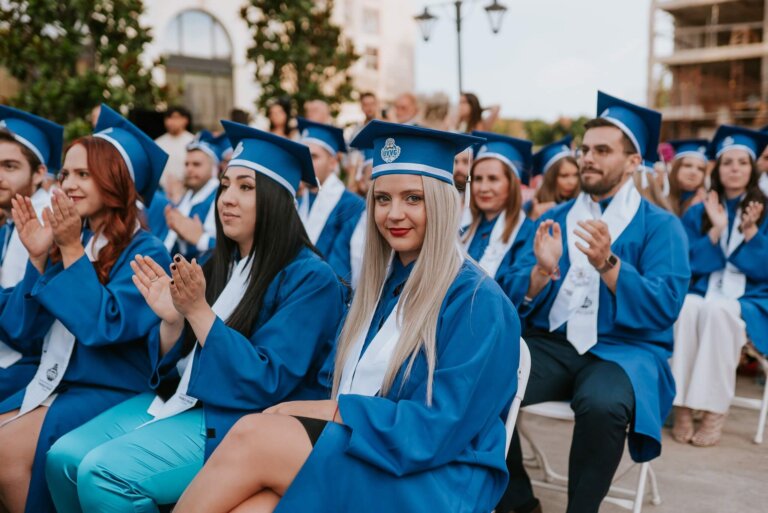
[
  {"x": 187, "y": 286},
  {"x": 598, "y": 240},
  {"x": 154, "y": 284},
  {"x": 36, "y": 237},
  {"x": 548, "y": 246},
  {"x": 64, "y": 221},
  {"x": 749, "y": 219}
]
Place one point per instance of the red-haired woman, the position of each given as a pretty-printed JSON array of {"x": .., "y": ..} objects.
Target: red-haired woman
[{"x": 77, "y": 302}]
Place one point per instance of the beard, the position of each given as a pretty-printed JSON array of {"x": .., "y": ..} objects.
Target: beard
[{"x": 603, "y": 186}]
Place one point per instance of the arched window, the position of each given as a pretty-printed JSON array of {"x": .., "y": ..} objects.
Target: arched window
[{"x": 198, "y": 61}]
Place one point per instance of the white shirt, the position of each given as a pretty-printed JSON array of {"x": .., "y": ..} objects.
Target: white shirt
[{"x": 176, "y": 148}]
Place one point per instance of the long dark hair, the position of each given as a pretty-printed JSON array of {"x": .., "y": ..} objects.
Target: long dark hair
[
  {"x": 475, "y": 111},
  {"x": 548, "y": 190},
  {"x": 278, "y": 237},
  {"x": 676, "y": 193},
  {"x": 753, "y": 193}
]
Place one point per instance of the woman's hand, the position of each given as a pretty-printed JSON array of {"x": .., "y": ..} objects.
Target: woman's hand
[
  {"x": 749, "y": 219},
  {"x": 322, "y": 410},
  {"x": 717, "y": 216},
  {"x": 65, "y": 222},
  {"x": 187, "y": 287},
  {"x": 154, "y": 284},
  {"x": 548, "y": 246},
  {"x": 36, "y": 237}
]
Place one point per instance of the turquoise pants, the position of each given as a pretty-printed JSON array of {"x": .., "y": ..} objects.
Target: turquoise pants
[{"x": 108, "y": 465}]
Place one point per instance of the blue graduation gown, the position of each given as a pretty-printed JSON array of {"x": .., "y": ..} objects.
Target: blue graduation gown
[
  {"x": 395, "y": 453},
  {"x": 201, "y": 210},
  {"x": 750, "y": 258},
  {"x": 480, "y": 243},
  {"x": 18, "y": 375},
  {"x": 234, "y": 375},
  {"x": 109, "y": 362},
  {"x": 634, "y": 325},
  {"x": 155, "y": 215},
  {"x": 333, "y": 242}
]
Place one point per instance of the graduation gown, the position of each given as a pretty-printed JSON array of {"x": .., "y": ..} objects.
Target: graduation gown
[
  {"x": 205, "y": 210},
  {"x": 395, "y": 453},
  {"x": 634, "y": 325},
  {"x": 155, "y": 215},
  {"x": 109, "y": 362},
  {"x": 336, "y": 236},
  {"x": 480, "y": 243},
  {"x": 749, "y": 257},
  {"x": 234, "y": 375}
]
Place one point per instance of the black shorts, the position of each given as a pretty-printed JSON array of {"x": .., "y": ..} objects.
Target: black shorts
[{"x": 313, "y": 427}]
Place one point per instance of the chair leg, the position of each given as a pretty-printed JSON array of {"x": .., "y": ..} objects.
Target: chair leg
[
  {"x": 640, "y": 494},
  {"x": 763, "y": 406},
  {"x": 655, "y": 495}
]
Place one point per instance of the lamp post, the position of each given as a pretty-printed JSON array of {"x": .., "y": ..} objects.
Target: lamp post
[{"x": 426, "y": 21}]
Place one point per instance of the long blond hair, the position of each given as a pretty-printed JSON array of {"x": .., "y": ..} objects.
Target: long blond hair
[{"x": 436, "y": 268}]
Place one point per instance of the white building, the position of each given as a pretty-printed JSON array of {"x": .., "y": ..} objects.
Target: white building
[{"x": 204, "y": 44}]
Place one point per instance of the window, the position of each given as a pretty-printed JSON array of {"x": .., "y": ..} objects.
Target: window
[
  {"x": 370, "y": 20},
  {"x": 371, "y": 57},
  {"x": 197, "y": 34}
]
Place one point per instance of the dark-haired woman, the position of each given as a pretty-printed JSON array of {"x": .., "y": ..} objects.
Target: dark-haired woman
[
  {"x": 471, "y": 114},
  {"x": 248, "y": 330},
  {"x": 728, "y": 297},
  {"x": 280, "y": 120},
  {"x": 557, "y": 164},
  {"x": 686, "y": 178},
  {"x": 77, "y": 302}
]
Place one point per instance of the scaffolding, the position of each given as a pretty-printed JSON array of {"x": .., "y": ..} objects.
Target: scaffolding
[{"x": 708, "y": 64}]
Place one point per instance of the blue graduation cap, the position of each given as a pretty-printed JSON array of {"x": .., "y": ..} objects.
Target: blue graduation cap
[
  {"x": 144, "y": 159},
  {"x": 367, "y": 156},
  {"x": 641, "y": 125},
  {"x": 514, "y": 152},
  {"x": 730, "y": 137},
  {"x": 223, "y": 147},
  {"x": 548, "y": 155},
  {"x": 42, "y": 137},
  {"x": 281, "y": 159},
  {"x": 327, "y": 136},
  {"x": 206, "y": 142},
  {"x": 412, "y": 150},
  {"x": 690, "y": 148}
]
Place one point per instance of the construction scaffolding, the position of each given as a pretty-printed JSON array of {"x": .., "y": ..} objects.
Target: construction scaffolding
[{"x": 708, "y": 64}]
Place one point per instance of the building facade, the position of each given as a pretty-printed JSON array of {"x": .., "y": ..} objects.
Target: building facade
[
  {"x": 708, "y": 64},
  {"x": 204, "y": 43}
]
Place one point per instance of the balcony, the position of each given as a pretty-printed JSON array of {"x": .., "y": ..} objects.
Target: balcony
[{"x": 716, "y": 43}]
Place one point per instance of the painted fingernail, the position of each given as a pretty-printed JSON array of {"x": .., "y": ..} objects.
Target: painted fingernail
[
  {"x": 173, "y": 267},
  {"x": 171, "y": 282},
  {"x": 177, "y": 258}
]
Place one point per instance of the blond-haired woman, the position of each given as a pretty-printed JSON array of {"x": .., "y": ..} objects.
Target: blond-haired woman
[{"x": 416, "y": 421}]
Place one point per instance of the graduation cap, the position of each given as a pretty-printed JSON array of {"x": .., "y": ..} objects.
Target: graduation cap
[
  {"x": 327, "y": 136},
  {"x": 514, "y": 152},
  {"x": 281, "y": 159},
  {"x": 206, "y": 142},
  {"x": 42, "y": 137},
  {"x": 548, "y": 155},
  {"x": 729, "y": 137},
  {"x": 690, "y": 148},
  {"x": 144, "y": 159},
  {"x": 367, "y": 157},
  {"x": 223, "y": 147},
  {"x": 406, "y": 149},
  {"x": 640, "y": 124}
]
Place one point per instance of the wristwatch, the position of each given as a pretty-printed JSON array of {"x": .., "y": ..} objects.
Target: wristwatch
[{"x": 610, "y": 263}]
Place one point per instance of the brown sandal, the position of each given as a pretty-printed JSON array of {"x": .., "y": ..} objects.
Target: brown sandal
[
  {"x": 710, "y": 431},
  {"x": 683, "y": 429}
]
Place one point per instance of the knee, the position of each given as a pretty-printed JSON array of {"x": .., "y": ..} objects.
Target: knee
[
  {"x": 248, "y": 426},
  {"x": 608, "y": 406},
  {"x": 63, "y": 459}
]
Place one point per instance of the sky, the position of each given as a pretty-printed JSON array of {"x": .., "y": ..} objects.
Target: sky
[{"x": 548, "y": 60}]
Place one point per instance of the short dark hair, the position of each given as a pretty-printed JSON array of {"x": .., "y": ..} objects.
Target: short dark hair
[
  {"x": 366, "y": 94},
  {"x": 629, "y": 146},
  {"x": 178, "y": 109},
  {"x": 29, "y": 155},
  {"x": 239, "y": 116}
]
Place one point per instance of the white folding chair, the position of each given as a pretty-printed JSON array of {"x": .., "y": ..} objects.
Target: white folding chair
[
  {"x": 631, "y": 499},
  {"x": 523, "y": 371},
  {"x": 750, "y": 403}
]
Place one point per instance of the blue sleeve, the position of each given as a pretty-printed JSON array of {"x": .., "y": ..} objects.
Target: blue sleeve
[
  {"x": 475, "y": 378},
  {"x": 750, "y": 257},
  {"x": 97, "y": 314},
  {"x": 163, "y": 367},
  {"x": 514, "y": 278},
  {"x": 705, "y": 257},
  {"x": 22, "y": 320},
  {"x": 339, "y": 256},
  {"x": 253, "y": 373},
  {"x": 650, "y": 294}
]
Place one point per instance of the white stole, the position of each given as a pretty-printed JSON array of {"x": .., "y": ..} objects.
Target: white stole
[
  {"x": 578, "y": 299},
  {"x": 223, "y": 307},
  {"x": 729, "y": 282},
  {"x": 497, "y": 248},
  {"x": 356, "y": 250},
  {"x": 57, "y": 351},
  {"x": 328, "y": 197},
  {"x": 188, "y": 201},
  {"x": 763, "y": 183}
]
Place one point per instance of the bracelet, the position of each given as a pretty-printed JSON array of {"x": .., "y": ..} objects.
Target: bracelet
[
  {"x": 554, "y": 275},
  {"x": 335, "y": 412}
]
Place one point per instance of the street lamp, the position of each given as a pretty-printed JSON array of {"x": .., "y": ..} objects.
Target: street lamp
[{"x": 426, "y": 21}]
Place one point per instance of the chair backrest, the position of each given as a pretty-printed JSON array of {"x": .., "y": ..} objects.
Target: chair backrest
[{"x": 523, "y": 371}]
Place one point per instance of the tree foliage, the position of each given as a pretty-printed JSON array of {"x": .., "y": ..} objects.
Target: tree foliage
[
  {"x": 299, "y": 52},
  {"x": 68, "y": 56}
]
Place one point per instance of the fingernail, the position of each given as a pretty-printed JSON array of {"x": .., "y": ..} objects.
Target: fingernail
[
  {"x": 171, "y": 282},
  {"x": 177, "y": 258}
]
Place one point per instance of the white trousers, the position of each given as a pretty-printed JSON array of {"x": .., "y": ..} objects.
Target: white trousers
[{"x": 709, "y": 335}]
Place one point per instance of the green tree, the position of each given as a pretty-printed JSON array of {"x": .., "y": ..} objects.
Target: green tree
[
  {"x": 299, "y": 52},
  {"x": 70, "y": 56}
]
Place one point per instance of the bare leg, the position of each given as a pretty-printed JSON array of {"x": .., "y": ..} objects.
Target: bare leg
[
  {"x": 262, "y": 502},
  {"x": 18, "y": 441},
  {"x": 261, "y": 452}
]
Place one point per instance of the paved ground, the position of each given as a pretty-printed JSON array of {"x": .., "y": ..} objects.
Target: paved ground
[{"x": 730, "y": 477}]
